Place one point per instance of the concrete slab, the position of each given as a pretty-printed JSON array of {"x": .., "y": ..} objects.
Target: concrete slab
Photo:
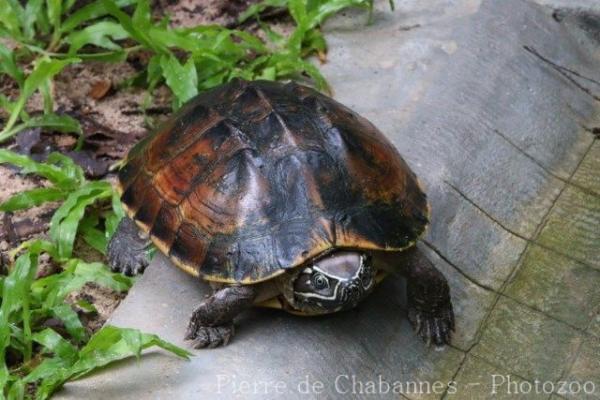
[
  {"x": 460, "y": 221},
  {"x": 572, "y": 228},
  {"x": 493, "y": 104},
  {"x": 471, "y": 301},
  {"x": 583, "y": 377},
  {"x": 558, "y": 286},
  {"x": 587, "y": 175},
  {"x": 594, "y": 328},
  {"x": 526, "y": 342},
  {"x": 479, "y": 380}
]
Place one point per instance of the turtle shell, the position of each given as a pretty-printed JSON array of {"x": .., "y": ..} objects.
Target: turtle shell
[{"x": 250, "y": 179}]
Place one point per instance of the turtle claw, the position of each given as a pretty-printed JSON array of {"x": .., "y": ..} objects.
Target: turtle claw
[
  {"x": 209, "y": 337},
  {"x": 211, "y": 324},
  {"x": 130, "y": 264},
  {"x": 435, "y": 327},
  {"x": 127, "y": 251}
]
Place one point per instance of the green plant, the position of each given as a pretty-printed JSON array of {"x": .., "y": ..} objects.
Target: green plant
[
  {"x": 188, "y": 60},
  {"x": 107, "y": 345},
  {"x": 27, "y": 302},
  {"x": 308, "y": 15},
  {"x": 91, "y": 209},
  {"x": 76, "y": 193},
  {"x": 39, "y": 79}
]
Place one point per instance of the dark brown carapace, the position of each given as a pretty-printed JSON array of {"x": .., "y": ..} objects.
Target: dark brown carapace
[{"x": 250, "y": 179}]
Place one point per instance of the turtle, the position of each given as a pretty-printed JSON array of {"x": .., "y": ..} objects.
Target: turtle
[{"x": 277, "y": 196}]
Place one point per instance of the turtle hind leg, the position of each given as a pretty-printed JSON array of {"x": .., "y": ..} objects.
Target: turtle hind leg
[
  {"x": 211, "y": 324},
  {"x": 127, "y": 251},
  {"x": 429, "y": 307}
]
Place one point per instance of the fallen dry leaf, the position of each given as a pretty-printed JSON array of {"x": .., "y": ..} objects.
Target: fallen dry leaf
[{"x": 99, "y": 89}]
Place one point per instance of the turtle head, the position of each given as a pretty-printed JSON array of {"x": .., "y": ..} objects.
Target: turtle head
[{"x": 337, "y": 281}]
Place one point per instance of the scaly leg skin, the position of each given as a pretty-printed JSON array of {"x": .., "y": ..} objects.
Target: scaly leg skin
[
  {"x": 127, "y": 251},
  {"x": 429, "y": 307},
  {"x": 211, "y": 324}
]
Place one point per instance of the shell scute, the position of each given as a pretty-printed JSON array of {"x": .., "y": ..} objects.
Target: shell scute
[{"x": 252, "y": 178}]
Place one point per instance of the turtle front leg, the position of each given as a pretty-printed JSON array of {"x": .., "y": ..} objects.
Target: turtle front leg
[
  {"x": 429, "y": 307},
  {"x": 211, "y": 324},
  {"x": 127, "y": 251}
]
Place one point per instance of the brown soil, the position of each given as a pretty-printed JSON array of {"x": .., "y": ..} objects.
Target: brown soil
[{"x": 104, "y": 300}]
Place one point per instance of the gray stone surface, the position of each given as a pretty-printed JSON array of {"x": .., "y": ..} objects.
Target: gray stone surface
[
  {"x": 587, "y": 175},
  {"x": 580, "y": 238},
  {"x": 585, "y": 369},
  {"x": 477, "y": 380},
  {"x": 471, "y": 301},
  {"x": 526, "y": 342},
  {"x": 493, "y": 103},
  {"x": 564, "y": 288},
  {"x": 594, "y": 328}
]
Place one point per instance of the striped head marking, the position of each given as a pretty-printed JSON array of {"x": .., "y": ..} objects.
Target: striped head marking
[{"x": 338, "y": 281}]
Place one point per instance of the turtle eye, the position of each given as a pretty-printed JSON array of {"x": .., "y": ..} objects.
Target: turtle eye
[{"x": 320, "y": 282}]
